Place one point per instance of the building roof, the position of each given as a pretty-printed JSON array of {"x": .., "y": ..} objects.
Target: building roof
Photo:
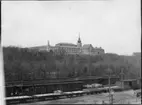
[
  {"x": 127, "y": 80},
  {"x": 137, "y": 53},
  {"x": 66, "y": 44},
  {"x": 39, "y": 47},
  {"x": 87, "y": 46},
  {"x": 42, "y": 82}
]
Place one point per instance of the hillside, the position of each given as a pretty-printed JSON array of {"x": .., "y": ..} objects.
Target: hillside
[{"x": 26, "y": 64}]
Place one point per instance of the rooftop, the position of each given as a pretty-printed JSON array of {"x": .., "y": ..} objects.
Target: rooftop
[
  {"x": 39, "y": 47},
  {"x": 66, "y": 44},
  {"x": 131, "y": 79},
  {"x": 87, "y": 46}
]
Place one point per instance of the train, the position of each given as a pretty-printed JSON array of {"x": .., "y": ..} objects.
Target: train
[
  {"x": 39, "y": 90},
  {"x": 59, "y": 94},
  {"x": 31, "y": 89},
  {"x": 48, "y": 86}
]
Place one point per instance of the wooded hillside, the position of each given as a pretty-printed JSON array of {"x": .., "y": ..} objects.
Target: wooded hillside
[{"x": 26, "y": 64}]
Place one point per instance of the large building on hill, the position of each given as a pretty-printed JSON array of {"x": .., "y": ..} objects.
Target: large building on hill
[
  {"x": 137, "y": 54},
  {"x": 70, "y": 48}
]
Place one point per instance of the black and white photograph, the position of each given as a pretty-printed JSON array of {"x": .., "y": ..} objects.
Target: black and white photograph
[{"x": 70, "y": 52}]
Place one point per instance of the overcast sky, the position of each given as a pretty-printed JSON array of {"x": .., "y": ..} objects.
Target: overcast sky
[{"x": 111, "y": 24}]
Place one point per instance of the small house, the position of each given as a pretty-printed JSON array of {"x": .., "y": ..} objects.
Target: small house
[{"x": 129, "y": 83}]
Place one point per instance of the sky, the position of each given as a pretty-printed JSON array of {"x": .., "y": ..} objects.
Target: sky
[{"x": 114, "y": 25}]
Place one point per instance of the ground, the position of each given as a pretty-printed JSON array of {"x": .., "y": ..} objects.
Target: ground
[{"x": 126, "y": 97}]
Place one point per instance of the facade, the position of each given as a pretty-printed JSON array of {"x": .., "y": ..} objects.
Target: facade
[{"x": 70, "y": 48}]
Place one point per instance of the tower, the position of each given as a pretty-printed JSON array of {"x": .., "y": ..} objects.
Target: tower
[
  {"x": 48, "y": 46},
  {"x": 79, "y": 44}
]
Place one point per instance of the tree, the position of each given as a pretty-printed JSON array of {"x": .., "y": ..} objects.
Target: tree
[{"x": 19, "y": 63}]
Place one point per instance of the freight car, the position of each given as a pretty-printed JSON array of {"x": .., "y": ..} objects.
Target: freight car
[
  {"x": 56, "y": 95},
  {"x": 29, "y": 90}
]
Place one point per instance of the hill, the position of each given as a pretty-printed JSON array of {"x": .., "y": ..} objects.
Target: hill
[{"x": 27, "y": 64}]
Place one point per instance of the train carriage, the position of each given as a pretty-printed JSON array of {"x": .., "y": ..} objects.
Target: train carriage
[{"x": 43, "y": 88}]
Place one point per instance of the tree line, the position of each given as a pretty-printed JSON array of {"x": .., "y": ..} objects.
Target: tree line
[{"x": 27, "y": 64}]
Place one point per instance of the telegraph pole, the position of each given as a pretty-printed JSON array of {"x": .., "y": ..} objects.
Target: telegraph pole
[
  {"x": 109, "y": 85},
  {"x": 122, "y": 75},
  {"x": 89, "y": 61},
  {"x": 109, "y": 77},
  {"x": 110, "y": 91}
]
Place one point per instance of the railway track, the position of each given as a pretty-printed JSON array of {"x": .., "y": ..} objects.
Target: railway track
[{"x": 54, "y": 96}]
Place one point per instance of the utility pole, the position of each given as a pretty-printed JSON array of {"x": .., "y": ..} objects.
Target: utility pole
[
  {"x": 122, "y": 75},
  {"x": 109, "y": 76},
  {"x": 21, "y": 84},
  {"x": 89, "y": 61},
  {"x": 110, "y": 91}
]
